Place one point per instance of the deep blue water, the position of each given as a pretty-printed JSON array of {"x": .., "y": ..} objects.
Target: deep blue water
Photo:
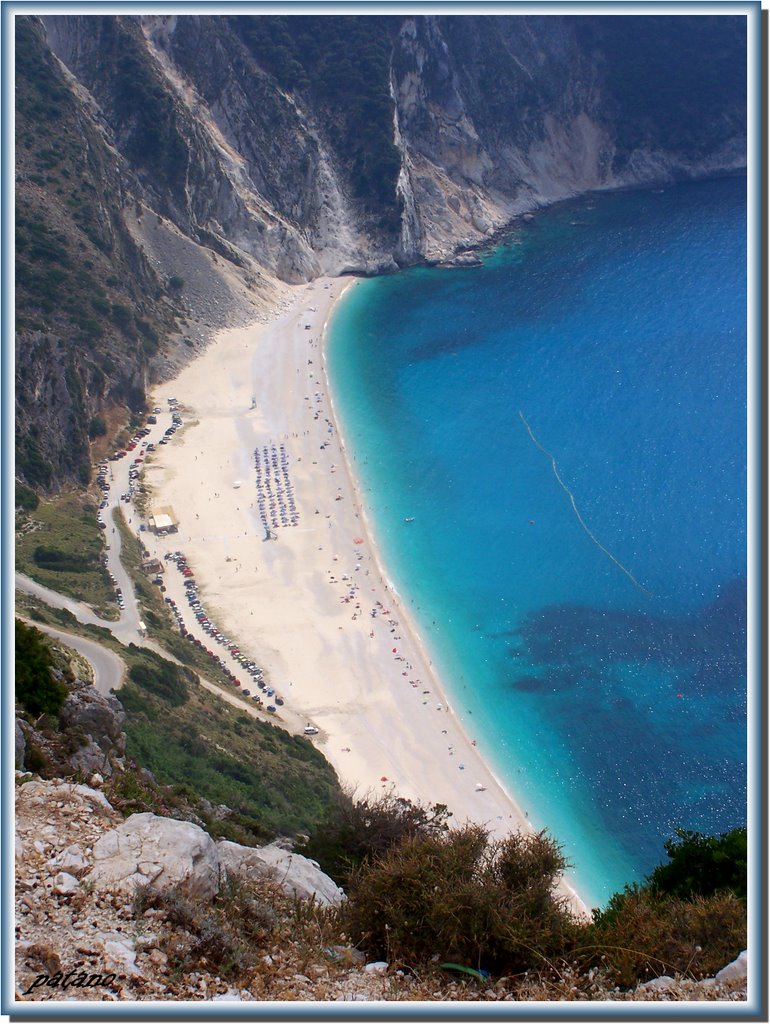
[{"x": 567, "y": 426}]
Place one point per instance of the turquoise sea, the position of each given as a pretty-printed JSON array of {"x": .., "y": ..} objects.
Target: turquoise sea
[{"x": 567, "y": 427}]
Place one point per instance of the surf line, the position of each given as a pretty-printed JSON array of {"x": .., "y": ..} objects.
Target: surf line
[{"x": 580, "y": 519}]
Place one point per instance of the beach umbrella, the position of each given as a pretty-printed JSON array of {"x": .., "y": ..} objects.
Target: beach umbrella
[
  {"x": 383, "y": 778},
  {"x": 395, "y": 650}
]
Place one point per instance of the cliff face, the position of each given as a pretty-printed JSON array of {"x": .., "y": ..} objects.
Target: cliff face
[
  {"x": 278, "y": 148},
  {"x": 497, "y": 116},
  {"x": 465, "y": 121}
]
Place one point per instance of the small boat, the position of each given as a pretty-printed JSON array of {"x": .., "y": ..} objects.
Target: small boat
[{"x": 409, "y": 519}]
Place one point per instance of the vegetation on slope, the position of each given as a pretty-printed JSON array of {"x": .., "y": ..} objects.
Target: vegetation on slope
[
  {"x": 246, "y": 779},
  {"x": 672, "y": 82},
  {"x": 37, "y": 691},
  {"x": 89, "y": 314},
  {"x": 701, "y": 865},
  {"x": 419, "y": 893},
  {"x": 137, "y": 97},
  {"x": 494, "y": 906},
  {"x": 274, "y": 783},
  {"x": 356, "y": 831},
  {"x": 343, "y": 65},
  {"x": 60, "y": 545}
]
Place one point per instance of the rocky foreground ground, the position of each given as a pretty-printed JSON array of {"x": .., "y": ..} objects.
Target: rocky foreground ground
[{"x": 110, "y": 909}]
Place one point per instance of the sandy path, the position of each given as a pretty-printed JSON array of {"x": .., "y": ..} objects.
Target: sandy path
[{"x": 381, "y": 715}]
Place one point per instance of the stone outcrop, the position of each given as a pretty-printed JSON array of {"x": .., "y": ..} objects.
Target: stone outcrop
[
  {"x": 162, "y": 852},
  {"x": 87, "y": 739},
  {"x": 149, "y": 850},
  {"x": 97, "y": 720},
  {"x": 735, "y": 973},
  {"x": 728, "y": 984},
  {"x": 297, "y": 875}
]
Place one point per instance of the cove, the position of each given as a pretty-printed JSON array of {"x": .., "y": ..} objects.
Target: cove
[{"x": 565, "y": 429}]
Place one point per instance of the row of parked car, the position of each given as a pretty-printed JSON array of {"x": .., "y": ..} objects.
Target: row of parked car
[{"x": 193, "y": 600}]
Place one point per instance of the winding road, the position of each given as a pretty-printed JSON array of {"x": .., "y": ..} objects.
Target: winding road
[{"x": 109, "y": 668}]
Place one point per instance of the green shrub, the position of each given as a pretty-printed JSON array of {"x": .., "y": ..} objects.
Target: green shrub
[
  {"x": 702, "y": 865},
  {"x": 35, "y": 760},
  {"x": 26, "y": 498},
  {"x": 457, "y": 895},
  {"x": 37, "y": 691},
  {"x": 55, "y": 560},
  {"x": 97, "y": 427},
  {"x": 163, "y": 678}
]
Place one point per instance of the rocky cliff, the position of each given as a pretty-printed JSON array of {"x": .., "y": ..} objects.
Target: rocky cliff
[{"x": 264, "y": 149}]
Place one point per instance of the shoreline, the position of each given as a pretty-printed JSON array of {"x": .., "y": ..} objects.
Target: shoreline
[
  {"x": 410, "y": 626},
  {"x": 365, "y": 680}
]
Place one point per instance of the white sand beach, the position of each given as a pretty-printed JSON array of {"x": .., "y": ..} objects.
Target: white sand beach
[{"x": 301, "y": 605}]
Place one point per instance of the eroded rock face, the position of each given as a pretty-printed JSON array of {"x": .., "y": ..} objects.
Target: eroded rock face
[
  {"x": 488, "y": 117},
  {"x": 297, "y": 875},
  {"x": 99, "y": 720},
  {"x": 244, "y": 166},
  {"x": 149, "y": 850}
]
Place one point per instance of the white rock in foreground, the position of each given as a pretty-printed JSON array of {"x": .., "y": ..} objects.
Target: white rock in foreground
[
  {"x": 661, "y": 984},
  {"x": 65, "y": 884},
  {"x": 73, "y": 860},
  {"x": 297, "y": 875},
  {"x": 147, "y": 849},
  {"x": 736, "y": 971}
]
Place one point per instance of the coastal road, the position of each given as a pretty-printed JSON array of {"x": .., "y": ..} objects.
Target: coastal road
[
  {"x": 109, "y": 669},
  {"x": 126, "y": 629},
  {"x": 122, "y": 630},
  {"x": 53, "y": 598}
]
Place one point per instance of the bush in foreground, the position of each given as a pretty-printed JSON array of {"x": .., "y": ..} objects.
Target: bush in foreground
[
  {"x": 459, "y": 895},
  {"x": 354, "y": 831},
  {"x": 701, "y": 865},
  {"x": 643, "y": 935}
]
